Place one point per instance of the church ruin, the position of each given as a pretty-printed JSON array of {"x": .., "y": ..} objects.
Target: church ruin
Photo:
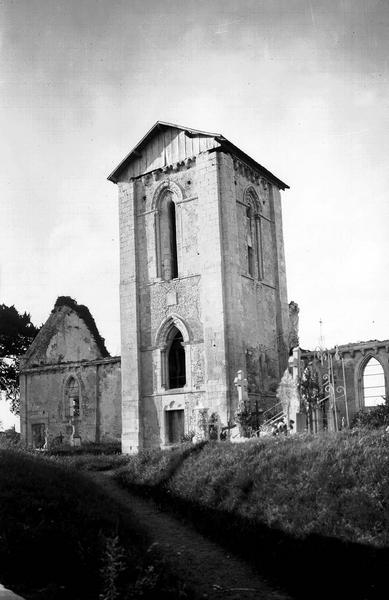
[
  {"x": 203, "y": 298},
  {"x": 69, "y": 384}
]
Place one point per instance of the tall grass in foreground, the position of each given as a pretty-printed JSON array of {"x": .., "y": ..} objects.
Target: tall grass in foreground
[
  {"x": 333, "y": 485},
  {"x": 63, "y": 537},
  {"x": 310, "y": 513}
]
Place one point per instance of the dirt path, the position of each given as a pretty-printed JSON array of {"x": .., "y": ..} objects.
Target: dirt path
[{"x": 202, "y": 564}]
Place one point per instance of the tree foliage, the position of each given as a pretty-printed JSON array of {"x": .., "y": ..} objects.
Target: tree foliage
[{"x": 16, "y": 334}]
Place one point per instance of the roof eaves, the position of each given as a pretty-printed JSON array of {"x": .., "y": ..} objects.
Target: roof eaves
[
  {"x": 251, "y": 162},
  {"x": 134, "y": 152}
]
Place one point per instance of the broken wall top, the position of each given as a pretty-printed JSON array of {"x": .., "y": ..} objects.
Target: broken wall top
[{"x": 69, "y": 335}]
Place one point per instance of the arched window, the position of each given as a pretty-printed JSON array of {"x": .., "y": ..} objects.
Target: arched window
[
  {"x": 173, "y": 341},
  {"x": 373, "y": 382},
  {"x": 253, "y": 235},
  {"x": 166, "y": 237},
  {"x": 72, "y": 398},
  {"x": 176, "y": 360}
]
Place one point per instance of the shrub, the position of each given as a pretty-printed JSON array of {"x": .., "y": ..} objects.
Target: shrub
[
  {"x": 372, "y": 418},
  {"x": 111, "y": 447},
  {"x": 9, "y": 438},
  {"x": 90, "y": 462}
]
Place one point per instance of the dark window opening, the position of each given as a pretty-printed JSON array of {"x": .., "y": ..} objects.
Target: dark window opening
[
  {"x": 173, "y": 240},
  {"x": 176, "y": 362},
  {"x": 175, "y": 426},
  {"x": 38, "y": 435},
  {"x": 250, "y": 261},
  {"x": 259, "y": 249}
]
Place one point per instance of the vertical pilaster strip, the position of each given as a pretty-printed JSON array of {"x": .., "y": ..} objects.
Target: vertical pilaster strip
[
  {"x": 129, "y": 318},
  {"x": 211, "y": 285},
  {"x": 282, "y": 310}
]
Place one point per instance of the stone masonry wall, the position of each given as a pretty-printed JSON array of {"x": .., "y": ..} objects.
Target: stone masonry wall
[
  {"x": 355, "y": 357},
  {"x": 43, "y": 401},
  {"x": 232, "y": 320},
  {"x": 256, "y": 308},
  {"x": 194, "y": 297}
]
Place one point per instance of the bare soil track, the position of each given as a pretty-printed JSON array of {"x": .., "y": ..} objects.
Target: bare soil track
[{"x": 208, "y": 569}]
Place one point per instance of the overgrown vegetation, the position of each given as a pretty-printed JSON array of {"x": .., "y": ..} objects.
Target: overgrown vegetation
[
  {"x": 152, "y": 468},
  {"x": 333, "y": 485},
  {"x": 9, "y": 438},
  {"x": 16, "y": 334},
  {"x": 61, "y": 536},
  {"x": 95, "y": 448},
  {"x": 84, "y": 314},
  {"x": 372, "y": 418},
  {"x": 90, "y": 462},
  {"x": 292, "y": 505}
]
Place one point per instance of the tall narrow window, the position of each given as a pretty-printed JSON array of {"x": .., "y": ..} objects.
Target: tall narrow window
[
  {"x": 373, "y": 383},
  {"x": 249, "y": 236},
  {"x": 250, "y": 261},
  {"x": 176, "y": 360},
  {"x": 253, "y": 235},
  {"x": 258, "y": 225},
  {"x": 72, "y": 398},
  {"x": 167, "y": 263},
  {"x": 173, "y": 240}
]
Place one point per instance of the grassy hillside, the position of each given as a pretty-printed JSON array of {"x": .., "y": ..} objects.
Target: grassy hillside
[
  {"x": 307, "y": 511},
  {"x": 61, "y": 536},
  {"x": 334, "y": 485}
]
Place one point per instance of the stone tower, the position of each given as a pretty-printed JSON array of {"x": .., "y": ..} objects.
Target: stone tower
[{"x": 202, "y": 284}]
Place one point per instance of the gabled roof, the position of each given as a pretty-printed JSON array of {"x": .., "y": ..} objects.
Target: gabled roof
[{"x": 190, "y": 132}]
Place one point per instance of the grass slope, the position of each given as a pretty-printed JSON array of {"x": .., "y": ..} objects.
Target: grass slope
[
  {"x": 61, "y": 536},
  {"x": 334, "y": 485},
  {"x": 307, "y": 511}
]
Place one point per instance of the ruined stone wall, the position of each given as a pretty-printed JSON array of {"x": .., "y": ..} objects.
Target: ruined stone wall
[
  {"x": 355, "y": 357},
  {"x": 43, "y": 400},
  {"x": 109, "y": 400},
  {"x": 65, "y": 338}
]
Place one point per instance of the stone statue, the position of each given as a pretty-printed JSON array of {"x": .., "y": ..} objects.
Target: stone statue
[{"x": 293, "y": 337}]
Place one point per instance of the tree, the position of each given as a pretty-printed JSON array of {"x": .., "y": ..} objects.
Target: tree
[{"x": 16, "y": 334}]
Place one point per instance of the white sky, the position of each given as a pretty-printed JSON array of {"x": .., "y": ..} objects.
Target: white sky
[{"x": 300, "y": 85}]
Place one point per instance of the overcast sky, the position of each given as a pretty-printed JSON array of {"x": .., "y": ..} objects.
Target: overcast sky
[{"x": 300, "y": 85}]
